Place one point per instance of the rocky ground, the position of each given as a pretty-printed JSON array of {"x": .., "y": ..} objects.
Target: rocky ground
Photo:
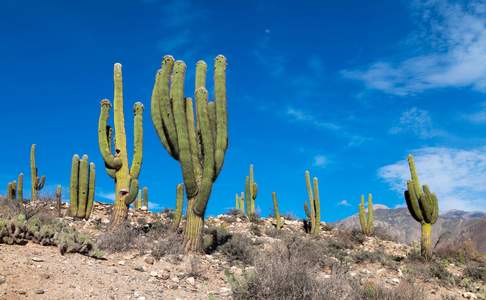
[{"x": 142, "y": 266}]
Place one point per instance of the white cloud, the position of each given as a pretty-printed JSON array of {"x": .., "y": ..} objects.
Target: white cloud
[
  {"x": 106, "y": 196},
  {"x": 418, "y": 122},
  {"x": 320, "y": 161},
  {"x": 455, "y": 37},
  {"x": 457, "y": 176},
  {"x": 344, "y": 203}
]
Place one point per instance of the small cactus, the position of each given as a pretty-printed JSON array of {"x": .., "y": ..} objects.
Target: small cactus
[
  {"x": 20, "y": 187},
  {"x": 366, "y": 221},
  {"x": 240, "y": 202},
  {"x": 251, "y": 190},
  {"x": 138, "y": 203},
  {"x": 276, "y": 213},
  {"x": 59, "y": 200},
  {"x": 36, "y": 182},
  {"x": 145, "y": 198},
  {"x": 12, "y": 190},
  {"x": 179, "y": 206},
  {"x": 313, "y": 209},
  {"x": 82, "y": 187},
  {"x": 423, "y": 206}
]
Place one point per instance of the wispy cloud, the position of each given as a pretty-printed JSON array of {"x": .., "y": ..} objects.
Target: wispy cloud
[
  {"x": 418, "y": 122},
  {"x": 344, "y": 203},
  {"x": 455, "y": 39},
  {"x": 320, "y": 161},
  {"x": 457, "y": 176},
  {"x": 106, "y": 196},
  {"x": 268, "y": 56},
  {"x": 479, "y": 116}
]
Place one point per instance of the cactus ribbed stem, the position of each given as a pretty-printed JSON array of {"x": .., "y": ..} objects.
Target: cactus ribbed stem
[
  {"x": 36, "y": 183},
  {"x": 313, "y": 209},
  {"x": 198, "y": 143},
  {"x": 81, "y": 187},
  {"x": 366, "y": 220},
  {"x": 145, "y": 198},
  {"x": 58, "y": 200},
  {"x": 125, "y": 177},
  {"x": 20, "y": 187},
  {"x": 179, "y": 206},
  {"x": 276, "y": 213}
]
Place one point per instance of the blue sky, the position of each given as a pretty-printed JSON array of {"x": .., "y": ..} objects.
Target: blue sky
[{"x": 339, "y": 88}]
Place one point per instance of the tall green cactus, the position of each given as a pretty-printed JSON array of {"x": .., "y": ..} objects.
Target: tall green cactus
[
  {"x": 314, "y": 213},
  {"x": 240, "y": 202},
  {"x": 366, "y": 221},
  {"x": 12, "y": 190},
  {"x": 179, "y": 206},
  {"x": 20, "y": 187},
  {"x": 423, "y": 206},
  {"x": 36, "y": 183},
  {"x": 276, "y": 213},
  {"x": 58, "y": 199},
  {"x": 116, "y": 165},
  {"x": 138, "y": 203},
  {"x": 251, "y": 191},
  {"x": 145, "y": 198},
  {"x": 81, "y": 187},
  {"x": 199, "y": 145}
]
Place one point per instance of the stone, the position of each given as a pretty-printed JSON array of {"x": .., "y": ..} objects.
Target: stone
[
  {"x": 121, "y": 262},
  {"x": 154, "y": 274},
  {"x": 175, "y": 279},
  {"x": 149, "y": 260},
  {"x": 39, "y": 292},
  {"x": 139, "y": 268},
  {"x": 37, "y": 259},
  {"x": 191, "y": 280},
  {"x": 469, "y": 295},
  {"x": 3, "y": 279}
]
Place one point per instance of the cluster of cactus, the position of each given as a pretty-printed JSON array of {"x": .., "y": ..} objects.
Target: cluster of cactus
[
  {"x": 82, "y": 187},
  {"x": 251, "y": 191},
  {"x": 19, "y": 230},
  {"x": 366, "y": 220},
  {"x": 15, "y": 189},
  {"x": 179, "y": 205},
  {"x": 116, "y": 164},
  {"x": 240, "y": 203},
  {"x": 200, "y": 143},
  {"x": 423, "y": 206},
  {"x": 36, "y": 181},
  {"x": 313, "y": 209},
  {"x": 276, "y": 213},
  {"x": 142, "y": 199}
]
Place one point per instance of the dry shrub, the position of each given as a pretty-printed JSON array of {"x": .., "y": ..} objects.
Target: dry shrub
[
  {"x": 121, "y": 239},
  {"x": 405, "y": 291},
  {"x": 170, "y": 244},
  {"x": 238, "y": 248}
]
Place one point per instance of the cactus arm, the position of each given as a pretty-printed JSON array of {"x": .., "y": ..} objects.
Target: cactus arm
[
  {"x": 413, "y": 202},
  {"x": 109, "y": 136},
  {"x": 179, "y": 206},
  {"x": 119, "y": 116},
  {"x": 317, "y": 204},
  {"x": 193, "y": 139},
  {"x": 155, "y": 108},
  {"x": 201, "y": 69},
  {"x": 131, "y": 195},
  {"x": 20, "y": 187},
  {"x": 370, "y": 214},
  {"x": 208, "y": 148},
  {"x": 435, "y": 204},
  {"x": 91, "y": 190},
  {"x": 427, "y": 205},
  {"x": 221, "y": 111},
  {"x": 184, "y": 144},
  {"x": 138, "y": 140},
  {"x": 247, "y": 197},
  {"x": 104, "y": 138},
  {"x": 306, "y": 210},
  {"x": 33, "y": 173},
  {"x": 83, "y": 187},
  {"x": 212, "y": 121},
  {"x": 41, "y": 182},
  {"x": 73, "y": 187},
  {"x": 414, "y": 176}
]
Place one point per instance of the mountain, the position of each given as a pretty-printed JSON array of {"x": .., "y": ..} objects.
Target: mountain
[{"x": 452, "y": 227}]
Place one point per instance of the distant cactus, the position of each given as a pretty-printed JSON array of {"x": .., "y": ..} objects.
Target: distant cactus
[
  {"x": 12, "y": 190},
  {"x": 276, "y": 213},
  {"x": 145, "y": 198},
  {"x": 138, "y": 203},
  {"x": 20, "y": 187},
  {"x": 179, "y": 206},
  {"x": 82, "y": 187},
  {"x": 36, "y": 182},
  {"x": 240, "y": 202},
  {"x": 423, "y": 206},
  {"x": 116, "y": 164},
  {"x": 366, "y": 221},
  {"x": 200, "y": 143},
  {"x": 58, "y": 200},
  {"x": 314, "y": 213},
  {"x": 251, "y": 191}
]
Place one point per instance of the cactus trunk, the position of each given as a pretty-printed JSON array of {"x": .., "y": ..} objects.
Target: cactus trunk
[
  {"x": 426, "y": 241},
  {"x": 36, "y": 183},
  {"x": 193, "y": 232},
  {"x": 58, "y": 200},
  {"x": 20, "y": 187},
  {"x": 276, "y": 213}
]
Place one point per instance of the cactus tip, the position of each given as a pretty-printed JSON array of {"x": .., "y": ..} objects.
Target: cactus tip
[
  {"x": 105, "y": 102},
  {"x": 138, "y": 107}
]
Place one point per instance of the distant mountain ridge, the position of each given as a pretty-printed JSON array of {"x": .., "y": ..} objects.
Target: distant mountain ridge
[{"x": 452, "y": 227}]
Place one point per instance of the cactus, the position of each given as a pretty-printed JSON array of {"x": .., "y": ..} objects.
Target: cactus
[
  {"x": 20, "y": 187},
  {"x": 366, "y": 221},
  {"x": 251, "y": 190},
  {"x": 240, "y": 203},
  {"x": 423, "y": 206},
  {"x": 199, "y": 145},
  {"x": 36, "y": 182},
  {"x": 276, "y": 213},
  {"x": 314, "y": 214},
  {"x": 82, "y": 187},
  {"x": 59, "y": 200},
  {"x": 12, "y": 190},
  {"x": 138, "y": 203},
  {"x": 145, "y": 198},
  {"x": 116, "y": 165},
  {"x": 179, "y": 206}
]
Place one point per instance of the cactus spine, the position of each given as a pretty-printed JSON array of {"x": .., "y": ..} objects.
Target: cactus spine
[
  {"x": 145, "y": 198},
  {"x": 366, "y": 221},
  {"x": 251, "y": 190},
  {"x": 276, "y": 213},
  {"x": 314, "y": 214},
  {"x": 36, "y": 182},
  {"x": 81, "y": 187},
  {"x": 179, "y": 206},
  {"x": 199, "y": 145},
  {"x": 423, "y": 206},
  {"x": 116, "y": 165}
]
